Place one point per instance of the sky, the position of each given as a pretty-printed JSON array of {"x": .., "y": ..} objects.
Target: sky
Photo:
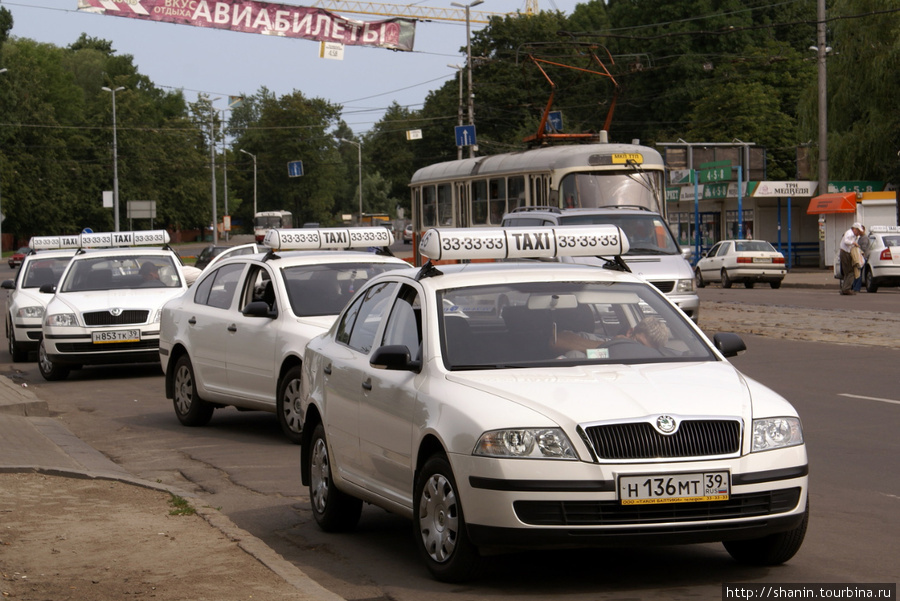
[{"x": 227, "y": 63}]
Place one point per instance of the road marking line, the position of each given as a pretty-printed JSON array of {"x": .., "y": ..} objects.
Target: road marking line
[{"x": 869, "y": 398}]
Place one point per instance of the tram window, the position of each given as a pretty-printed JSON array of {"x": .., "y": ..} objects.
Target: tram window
[
  {"x": 429, "y": 207},
  {"x": 479, "y": 202},
  {"x": 497, "y": 200},
  {"x": 445, "y": 204},
  {"x": 516, "y": 189}
]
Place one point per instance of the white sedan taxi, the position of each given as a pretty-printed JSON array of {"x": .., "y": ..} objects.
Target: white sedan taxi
[
  {"x": 882, "y": 266},
  {"x": 742, "y": 261},
  {"x": 525, "y": 404},
  {"x": 29, "y": 293},
  {"x": 106, "y": 306},
  {"x": 237, "y": 337}
]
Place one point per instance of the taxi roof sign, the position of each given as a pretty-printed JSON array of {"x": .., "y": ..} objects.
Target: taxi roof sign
[
  {"x": 338, "y": 238},
  {"x": 523, "y": 242},
  {"x": 101, "y": 240},
  {"x": 881, "y": 229}
]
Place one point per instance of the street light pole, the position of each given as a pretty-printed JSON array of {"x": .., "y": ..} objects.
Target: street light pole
[
  {"x": 459, "y": 108},
  {"x": 359, "y": 154},
  {"x": 212, "y": 165},
  {"x": 471, "y": 98},
  {"x": 115, "y": 157},
  {"x": 1, "y": 205},
  {"x": 252, "y": 156}
]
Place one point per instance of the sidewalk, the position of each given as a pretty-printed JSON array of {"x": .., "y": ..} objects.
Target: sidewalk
[{"x": 33, "y": 443}]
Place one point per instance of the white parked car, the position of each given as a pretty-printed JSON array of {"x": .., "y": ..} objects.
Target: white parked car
[
  {"x": 107, "y": 303},
  {"x": 883, "y": 259},
  {"x": 28, "y": 296},
  {"x": 533, "y": 404},
  {"x": 741, "y": 261},
  {"x": 237, "y": 337}
]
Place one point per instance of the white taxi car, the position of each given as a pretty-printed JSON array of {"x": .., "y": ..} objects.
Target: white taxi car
[
  {"x": 742, "y": 261},
  {"x": 106, "y": 306},
  {"x": 882, "y": 266},
  {"x": 526, "y": 404},
  {"x": 29, "y": 293},
  {"x": 237, "y": 337}
]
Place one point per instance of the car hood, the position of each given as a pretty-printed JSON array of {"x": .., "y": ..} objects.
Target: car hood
[
  {"x": 30, "y": 297},
  {"x": 97, "y": 300},
  {"x": 592, "y": 393},
  {"x": 650, "y": 267}
]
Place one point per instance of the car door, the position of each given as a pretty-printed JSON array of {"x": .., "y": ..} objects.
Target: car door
[
  {"x": 346, "y": 371},
  {"x": 252, "y": 341},
  {"x": 388, "y": 407},
  {"x": 707, "y": 264},
  {"x": 205, "y": 322}
]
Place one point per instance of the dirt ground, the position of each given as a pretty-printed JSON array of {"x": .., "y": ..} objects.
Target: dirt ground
[{"x": 96, "y": 540}]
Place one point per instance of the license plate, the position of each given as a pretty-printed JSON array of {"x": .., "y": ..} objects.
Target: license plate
[
  {"x": 116, "y": 336},
  {"x": 761, "y": 260},
  {"x": 674, "y": 488}
]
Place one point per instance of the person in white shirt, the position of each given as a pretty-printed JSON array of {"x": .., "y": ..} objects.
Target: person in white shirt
[{"x": 849, "y": 240}]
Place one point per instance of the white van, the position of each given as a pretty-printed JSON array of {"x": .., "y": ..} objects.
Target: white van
[{"x": 654, "y": 254}]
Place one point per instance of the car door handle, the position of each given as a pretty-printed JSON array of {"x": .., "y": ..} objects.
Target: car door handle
[
  {"x": 367, "y": 385},
  {"x": 192, "y": 321},
  {"x": 327, "y": 369},
  {"x": 232, "y": 328}
]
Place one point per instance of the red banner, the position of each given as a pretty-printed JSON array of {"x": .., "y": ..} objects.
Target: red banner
[{"x": 266, "y": 18}]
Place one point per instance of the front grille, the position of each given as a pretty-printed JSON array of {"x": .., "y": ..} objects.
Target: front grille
[
  {"x": 665, "y": 287},
  {"x": 126, "y": 318},
  {"x": 694, "y": 438},
  {"x": 612, "y": 513},
  {"x": 89, "y": 347}
]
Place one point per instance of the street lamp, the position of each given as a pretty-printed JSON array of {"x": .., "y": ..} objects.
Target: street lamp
[
  {"x": 1, "y": 212},
  {"x": 469, "y": 62},
  {"x": 115, "y": 157},
  {"x": 252, "y": 156},
  {"x": 459, "y": 109},
  {"x": 359, "y": 152},
  {"x": 212, "y": 170}
]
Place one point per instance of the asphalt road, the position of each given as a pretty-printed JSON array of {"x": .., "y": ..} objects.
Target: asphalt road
[{"x": 846, "y": 394}]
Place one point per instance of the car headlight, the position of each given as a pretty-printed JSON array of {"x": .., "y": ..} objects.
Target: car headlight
[
  {"x": 684, "y": 285},
  {"x": 62, "y": 320},
  {"x": 35, "y": 312},
  {"x": 526, "y": 443},
  {"x": 776, "y": 433}
]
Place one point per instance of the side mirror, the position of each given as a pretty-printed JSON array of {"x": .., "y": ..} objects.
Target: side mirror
[
  {"x": 687, "y": 252},
  {"x": 8, "y": 284},
  {"x": 729, "y": 344},
  {"x": 394, "y": 357},
  {"x": 47, "y": 289},
  {"x": 259, "y": 309}
]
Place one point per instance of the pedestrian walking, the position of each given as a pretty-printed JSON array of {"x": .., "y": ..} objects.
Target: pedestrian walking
[{"x": 848, "y": 243}]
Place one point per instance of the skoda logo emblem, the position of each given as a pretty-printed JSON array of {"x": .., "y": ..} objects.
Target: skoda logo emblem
[
  {"x": 666, "y": 424},
  {"x": 116, "y": 312}
]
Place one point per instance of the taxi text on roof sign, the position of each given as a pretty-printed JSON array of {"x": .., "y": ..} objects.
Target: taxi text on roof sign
[
  {"x": 328, "y": 238},
  {"x": 523, "y": 242},
  {"x": 101, "y": 240}
]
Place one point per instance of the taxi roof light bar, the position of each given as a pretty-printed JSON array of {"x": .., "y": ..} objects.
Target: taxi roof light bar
[
  {"x": 101, "y": 240},
  {"x": 338, "y": 238}
]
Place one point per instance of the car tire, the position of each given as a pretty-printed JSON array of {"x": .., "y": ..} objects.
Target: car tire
[
  {"x": 701, "y": 283},
  {"x": 726, "y": 281},
  {"x": 287, "y": 405},
  {"x": 334, "y": 510},
  {"x": 190, "y": 409},
  {"x": 871, "y": 285},
  {"x": 16, "y": 352},
  {"x": 439, "y": 525},
  {"x": 771, "y": 550},
  {"x": 776, "y": 284},
  {"x": 749, "y": 284},
  {"x": 51, "y": 371}
]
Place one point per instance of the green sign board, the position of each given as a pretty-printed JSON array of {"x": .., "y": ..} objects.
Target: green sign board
[{"x": 717, "y": 174}]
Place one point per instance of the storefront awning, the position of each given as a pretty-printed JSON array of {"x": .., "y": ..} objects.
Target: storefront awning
[{"x": 844, "y": 202}]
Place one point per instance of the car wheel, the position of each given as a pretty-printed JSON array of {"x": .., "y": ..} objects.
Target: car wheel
[
  {"x": 16, "y": 352},
  {"x": 775, "y": 284},
  {"x": 288, "y": 405},
  {"x": 190, "y": 409},
  {"x": 335, "y": 511},
  {"x": 749, "y": 284},
  {"x": 871, "y": 286},
  {"x": 701, "y": 283},
  {"x": 770, "y": 550},
  {"x": 50, "y": 370},
  {"x": 440, "y": 525},
  {"x": 726, "y": 281}
]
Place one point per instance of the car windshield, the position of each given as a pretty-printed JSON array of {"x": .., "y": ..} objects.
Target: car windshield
[
  {"x": 561, "y": 324},
  {"x": 44, "y": 271},
  {"x": 121, "y": 272},
  {"x": 647, "y": 234},
  {"x": 753, "y": 246},
  {"x": 325, "y": 289}
]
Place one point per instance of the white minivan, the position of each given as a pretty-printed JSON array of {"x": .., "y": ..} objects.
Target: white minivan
[{"x": 654, "y": 254}]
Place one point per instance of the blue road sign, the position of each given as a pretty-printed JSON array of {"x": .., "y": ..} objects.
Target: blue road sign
[
  {"x": 554, "y": 122},
  {"x": 465, "y": 135},
  {"x": 295, "y": 168}
]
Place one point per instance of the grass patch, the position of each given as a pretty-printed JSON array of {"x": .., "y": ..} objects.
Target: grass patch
[{"x": 180, "y": 506}]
